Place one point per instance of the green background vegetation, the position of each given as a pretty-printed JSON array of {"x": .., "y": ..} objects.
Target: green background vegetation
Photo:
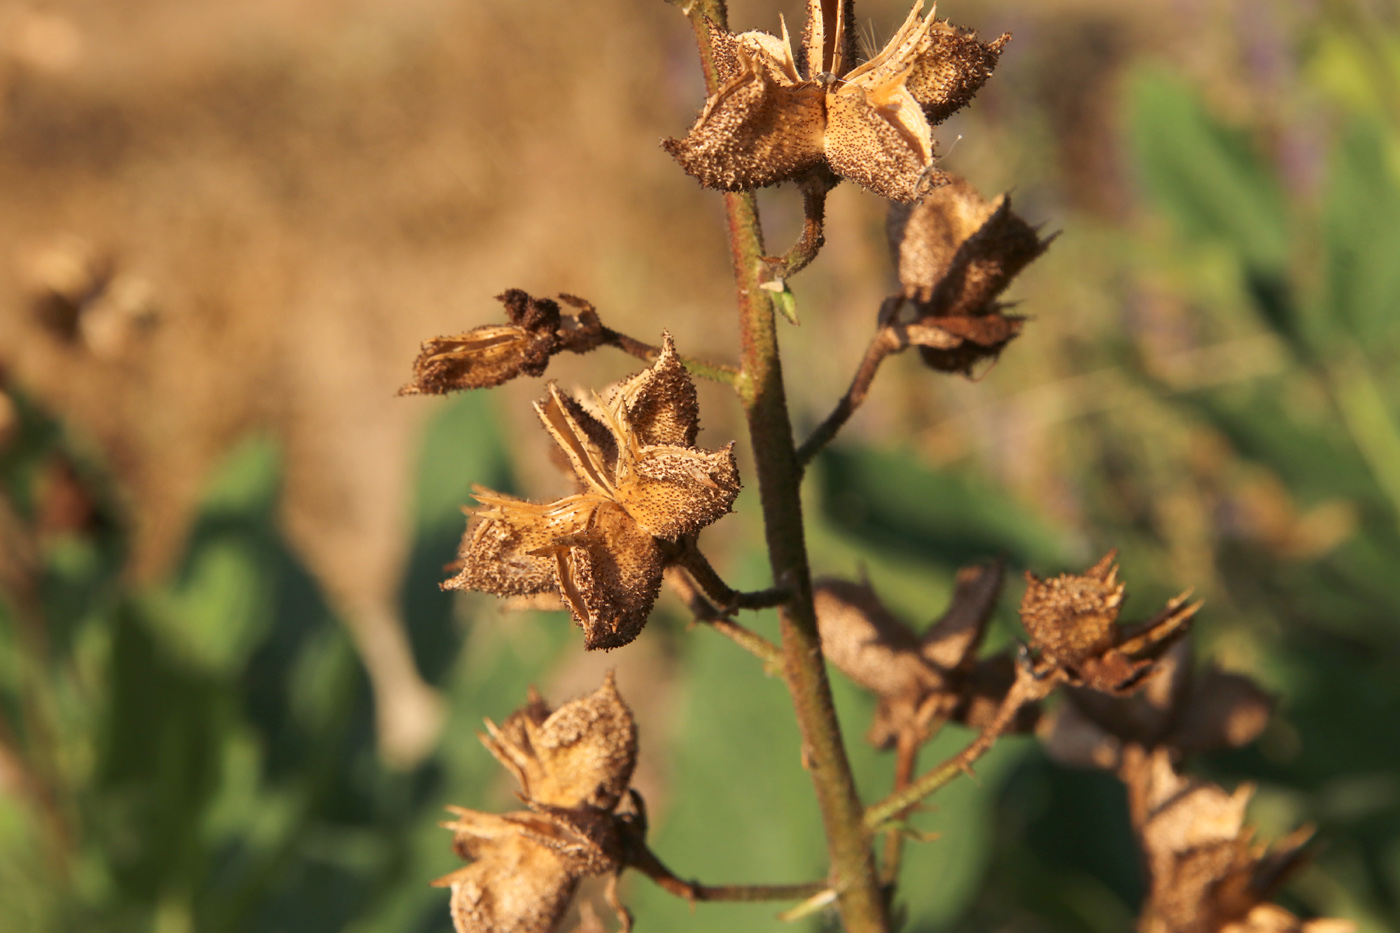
[{"x": 198, "y": 753}]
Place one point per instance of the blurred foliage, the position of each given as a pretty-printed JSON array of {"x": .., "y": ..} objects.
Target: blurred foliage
[{"x": 198, "y": 755}]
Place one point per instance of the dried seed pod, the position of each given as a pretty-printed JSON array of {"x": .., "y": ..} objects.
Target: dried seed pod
[
  {"x": 515, "y": 883},
  {"x": 641, "y": 483},
  {"x": 496, "y": 353},
  {"x": 772, "y": 120},
  {"x": 956, "y": 253},
  {"x": 581, "y": 754},
  {"x": 1206, "y": 873},
  {"x": 573, "y": 765},
  {"x": 1071, "y": 620}
]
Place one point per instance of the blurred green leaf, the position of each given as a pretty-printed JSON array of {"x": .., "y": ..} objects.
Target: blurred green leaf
[
  {"x": 892, "y": 500},
  {"x": 1361, "y": 238},
  {"x": 1204, "y": 174},
  {"x": 223, "y": 595},
  {"x": 462, "y": 447}
]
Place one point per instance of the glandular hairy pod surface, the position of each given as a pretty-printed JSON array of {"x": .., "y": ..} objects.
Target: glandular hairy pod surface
[
  {"x": 956, "y": 253},
  {"x": 1072, "y": 622},
  {"x": 581, "y": 754},
  {"x": 494, "y": 354},
  {"x": 777, "y": 116},
  {"x": 642, "y": 483},
  {"x": 573, "y": 765}
]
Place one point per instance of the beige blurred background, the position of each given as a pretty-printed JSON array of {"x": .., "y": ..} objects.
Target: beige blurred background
[{"x": 222, "y": 218}]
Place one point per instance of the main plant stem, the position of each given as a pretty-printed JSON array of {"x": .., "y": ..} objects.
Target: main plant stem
[
  {"x": 853, "y": 874},
  {"x": 760, "y": 384}
]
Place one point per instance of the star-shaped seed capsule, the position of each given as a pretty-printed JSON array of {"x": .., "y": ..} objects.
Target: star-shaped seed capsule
[
  {"x": 642, "y": 483},
  {"x": 956, "y": 254},
  {"x": 1072, "y": 621},
  {"x": 573, "y": 765},
  {"x": 774, "y": 117}
]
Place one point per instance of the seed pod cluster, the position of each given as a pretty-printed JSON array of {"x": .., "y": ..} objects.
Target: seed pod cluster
[
  {"x": 1206, "y": 873},
  {"x": 573, "y": 765},
  {"x": 642, "y": 484},
  {"x": 776, "y": 116}
]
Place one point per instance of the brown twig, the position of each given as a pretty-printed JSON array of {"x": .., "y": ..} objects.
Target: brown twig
[
  {"x": 646, "y": 862},
  {"x": 905, "y": 762},
  {"x": 703, "y": 611},
  {"x": 888, "y": 340},
  {"x": 1033, "y": 683},
  {"x": 705, "y": 369},
  {"x": 725, "y": 597},
  {"x": 778, "y": 269}
]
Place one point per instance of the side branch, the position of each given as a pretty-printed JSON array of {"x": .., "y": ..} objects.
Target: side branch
[
  {"x": 648, "y": 864},
  {"x": 906, "y": 760},
  {"x": 777, "y": 269},
  {"x": 888, "y": 340},
  {"x": 725, "y": 597},
  {"x": 646, "y": 352},
  {"x": 752, "y": 642},
  {"x": 1032, "y": 685}
]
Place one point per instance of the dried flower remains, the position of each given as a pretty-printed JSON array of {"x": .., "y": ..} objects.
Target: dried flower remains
[
  {"x": 642, "y": 483},
  {"x": 1072, "y": 622},
  {"x": 956, "y": 253},
  {"x": 921, "y": 680},
  {"x": 1183, "y": 710},
  {"x": 573, "y": 765},
  {"x": 1206, "y": 873},
  {"x": 775, "y": 117},
  {"x": 496, "y": 353}
]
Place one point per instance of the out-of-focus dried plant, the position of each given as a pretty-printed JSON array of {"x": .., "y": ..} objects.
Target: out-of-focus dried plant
[
  {"x": 922, "y": 680},
  {"x": 80, "y": 295},
  {"x": 1206, "y": 873},
  {"x": 1184, "y": 710}
]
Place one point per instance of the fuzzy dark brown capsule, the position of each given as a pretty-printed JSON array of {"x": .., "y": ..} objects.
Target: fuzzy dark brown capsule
[
  {"x": 956, "y": 253},
  {"x": 494, "y": 354},
  {"x": 1072, "y": 622}
]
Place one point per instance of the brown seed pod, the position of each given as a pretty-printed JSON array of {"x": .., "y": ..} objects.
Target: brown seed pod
[
  {"x": 774, "y": 119},
  {"x": 956, "y": 254},
  {"x": 1072, "y": 622},
  {"x": 641, "y": 483},
  {"x": 573, "y": 765}
]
